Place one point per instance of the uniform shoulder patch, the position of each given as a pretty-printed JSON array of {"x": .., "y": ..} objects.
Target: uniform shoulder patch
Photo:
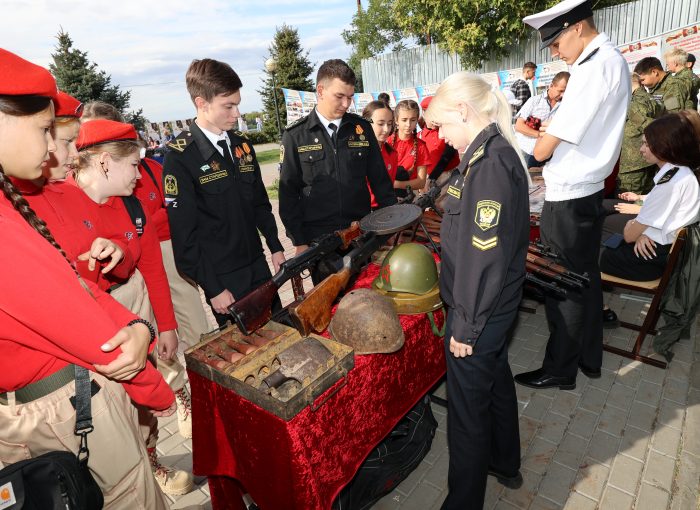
[
  {"x": 181, "y": 142},
  {"x": 668, "y": 175},
  {"x": 297, "y": 122},
  {"x": 487, "y": 215},
  {"x": 170, "y": 185},
  {"x": 241, "y": 134}
]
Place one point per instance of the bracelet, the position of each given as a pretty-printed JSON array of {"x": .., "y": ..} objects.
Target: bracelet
[{"x": 147, "y": 324}]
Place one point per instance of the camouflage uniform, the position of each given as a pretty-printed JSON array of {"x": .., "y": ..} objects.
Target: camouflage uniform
[
  {"x": 635, "y": 173},
  {"x": 692, "y": 82},
  {"x": 672, "y": 93}
]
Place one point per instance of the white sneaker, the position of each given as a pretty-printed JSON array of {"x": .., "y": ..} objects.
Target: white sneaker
[
  {"x": 184, "y": 413},
  {"x": 174, "y": 482}
]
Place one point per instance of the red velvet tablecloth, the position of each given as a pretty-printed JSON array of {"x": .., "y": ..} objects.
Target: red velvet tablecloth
[{"x": 304, "y": 463}]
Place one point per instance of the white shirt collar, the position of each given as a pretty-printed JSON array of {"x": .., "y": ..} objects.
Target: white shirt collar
[
  {"x": 327, "y": 122},
  {"x": 596, "y": 43},
  {"x": 662, "y": 171},
  {"x": 214, "y": 138}
]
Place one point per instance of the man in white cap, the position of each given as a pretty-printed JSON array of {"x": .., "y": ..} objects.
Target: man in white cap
[{"x": 584, "y": 141}]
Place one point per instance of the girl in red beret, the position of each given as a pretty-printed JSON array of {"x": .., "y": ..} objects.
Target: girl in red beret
[
  {"x": 412, "y": 151},
  {"x": 107, "y": 171},
  {"x": 50, "y": 319},
  {"x": 64, "y": 208}
]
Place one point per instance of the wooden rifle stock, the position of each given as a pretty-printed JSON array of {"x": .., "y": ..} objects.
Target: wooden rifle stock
[
  {"x": 313, "y": 313},
  {"x": 538, "y": 270},
  {"x": 254, "y": 310},
  {"x": 560, "y": 270}
]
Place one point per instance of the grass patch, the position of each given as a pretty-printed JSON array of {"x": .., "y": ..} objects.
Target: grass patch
[
  {"x": 271, "y": 156},
  {"x": 273, "y": 190}
]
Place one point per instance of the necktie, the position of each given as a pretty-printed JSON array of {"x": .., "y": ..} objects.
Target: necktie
[
  {"x": 334, "y": 134},
  {"x": 227, "y": 153}
]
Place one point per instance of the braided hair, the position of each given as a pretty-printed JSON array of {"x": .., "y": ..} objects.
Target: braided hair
[{"x": 22, "y": 106}]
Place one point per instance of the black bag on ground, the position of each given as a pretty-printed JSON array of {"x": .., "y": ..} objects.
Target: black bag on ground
[
  {"x": 392, "y": 460},
  {"x": 58, "y": 480}
]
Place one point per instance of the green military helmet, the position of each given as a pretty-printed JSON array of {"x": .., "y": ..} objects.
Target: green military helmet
[{"x": 408, "y": 267}]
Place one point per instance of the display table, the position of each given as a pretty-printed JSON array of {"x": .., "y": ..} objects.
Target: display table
[{"x": 304, "y": 463}]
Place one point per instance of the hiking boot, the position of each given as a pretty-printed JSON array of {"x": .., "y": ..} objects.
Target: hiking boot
[
  {"x": 173, "y": 482},
  {"x": 184, "y": 413}
]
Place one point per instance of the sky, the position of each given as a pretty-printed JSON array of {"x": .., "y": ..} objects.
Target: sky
[{"x": 147, "y": 45}]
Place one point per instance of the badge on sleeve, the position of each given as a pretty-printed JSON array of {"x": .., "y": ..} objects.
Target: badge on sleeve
[
  {"x": 484, "y": 244},
  {"x": 170, "y": 185},
  {"x": 488, "y": 213},
  {"x": 281, "y": 153}
]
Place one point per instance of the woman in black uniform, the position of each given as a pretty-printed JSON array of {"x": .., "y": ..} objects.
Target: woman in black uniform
[{"x": 484, "y": 237}]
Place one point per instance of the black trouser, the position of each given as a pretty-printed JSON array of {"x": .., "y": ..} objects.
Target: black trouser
[
  {"x": 242, "y": 281},
  {"x": 482, "y": 417},
  {"x": 623, "y": 263},
  {"x": 614, "y": 221},
  {"x": 572, "y": 228}
]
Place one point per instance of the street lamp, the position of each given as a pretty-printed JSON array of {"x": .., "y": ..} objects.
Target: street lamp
[{"x": 271, "y": 67}]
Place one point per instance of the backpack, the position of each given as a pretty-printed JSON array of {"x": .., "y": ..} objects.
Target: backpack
[
  {"x": 136, "y": 213},
  {"x": 392, "y": 460}
]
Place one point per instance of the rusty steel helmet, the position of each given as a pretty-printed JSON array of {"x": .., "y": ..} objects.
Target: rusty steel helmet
[
  {"x": 408, "y": 267},
  {"x": 367, "y": 322}
]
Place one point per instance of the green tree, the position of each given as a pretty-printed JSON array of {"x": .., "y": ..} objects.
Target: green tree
[
  {"x": 476, "y": 30},
  {"x": 293, "y": 72},
  {"x": 82, "y": 79},
  {"x": 373, "y": 31}
]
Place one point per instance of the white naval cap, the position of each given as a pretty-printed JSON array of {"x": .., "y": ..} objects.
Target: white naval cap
[{"x": 552, "y": 22}]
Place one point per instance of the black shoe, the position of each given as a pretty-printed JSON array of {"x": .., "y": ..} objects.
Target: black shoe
[
  {"x": 539, "y": 379},
  {"x": 510, "y": 482},
  {"x": 591, "y": 373},
  {"x": 610, "y": 320}
]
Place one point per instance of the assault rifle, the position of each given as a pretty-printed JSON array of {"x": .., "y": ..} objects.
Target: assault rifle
[
  {"x": 551, "y": 275},
  {"x": 254, "y": 309},
  {"x": 313, "y": 312},
  {"x": 530, "y": 278}
]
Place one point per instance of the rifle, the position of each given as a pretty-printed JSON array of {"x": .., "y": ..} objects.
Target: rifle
[
  {"x": 313, "y": 313},
  {"x": 254, "y": 309},
  {"x": 545, "y": 285},
  {"x": 553, "y": 266},
  {"x": 538, "y": 248},
  {"x": 541, "y": 271}
]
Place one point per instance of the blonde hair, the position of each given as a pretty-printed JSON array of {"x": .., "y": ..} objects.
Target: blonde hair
[
  {"x": 66, "y": 121},
  {"x": 467, "y": 88},
  {"x": 100, "y": 110},
  {"x": 677, "y": 55},
  {"x": 118, "y": 150}
]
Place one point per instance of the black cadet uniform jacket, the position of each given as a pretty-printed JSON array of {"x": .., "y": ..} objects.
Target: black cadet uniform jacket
[
  {"x": 323, "y": 188},
  {"x": 215, "y": 211},
  {"x": 484, "y": 233}
]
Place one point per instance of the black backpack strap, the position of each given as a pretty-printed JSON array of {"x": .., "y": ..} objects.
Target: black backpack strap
[
  {"x": 83, "y": 410},
  {"x": 150, "y": 173},
  {"x": 135, "y": 210}
]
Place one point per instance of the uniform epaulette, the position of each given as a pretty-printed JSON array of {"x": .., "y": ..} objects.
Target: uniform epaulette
[
  {"x": 180, "y": 143},
  {"x": 297, "y": 122},
  {"x": 478, "y": 154},
  {"x": 241, "y": 134},
  {"x": 350, "y": 114}
]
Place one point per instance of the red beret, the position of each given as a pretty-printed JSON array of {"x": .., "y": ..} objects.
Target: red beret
[
  {"x": 100, "y": 131},
  {"x": 19, "y": 77},
  {"x": 426, "y": 102},
  {"x": 67, "y": 106}
]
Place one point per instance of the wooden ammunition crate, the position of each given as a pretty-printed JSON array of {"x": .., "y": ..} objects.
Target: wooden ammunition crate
[{"x": 245, "y": 375}]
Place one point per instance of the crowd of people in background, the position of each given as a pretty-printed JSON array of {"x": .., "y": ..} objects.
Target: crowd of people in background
[{"x": 128, "y": 243}]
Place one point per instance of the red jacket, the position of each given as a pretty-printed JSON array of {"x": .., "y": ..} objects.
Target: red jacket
[
  {"x": 412, "y": 153},
  {"x": 390, "y": 157},
  {"x": 74, "y": 223},
  {"x": 47, "y": 319},
  {"x": 149, "y": 190},
  {"x": 436, "y": 147}
]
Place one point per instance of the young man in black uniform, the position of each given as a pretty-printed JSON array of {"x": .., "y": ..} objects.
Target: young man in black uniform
[
  {"x": 215, "y": 195},
  {"x": 327, "y": 159}
]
